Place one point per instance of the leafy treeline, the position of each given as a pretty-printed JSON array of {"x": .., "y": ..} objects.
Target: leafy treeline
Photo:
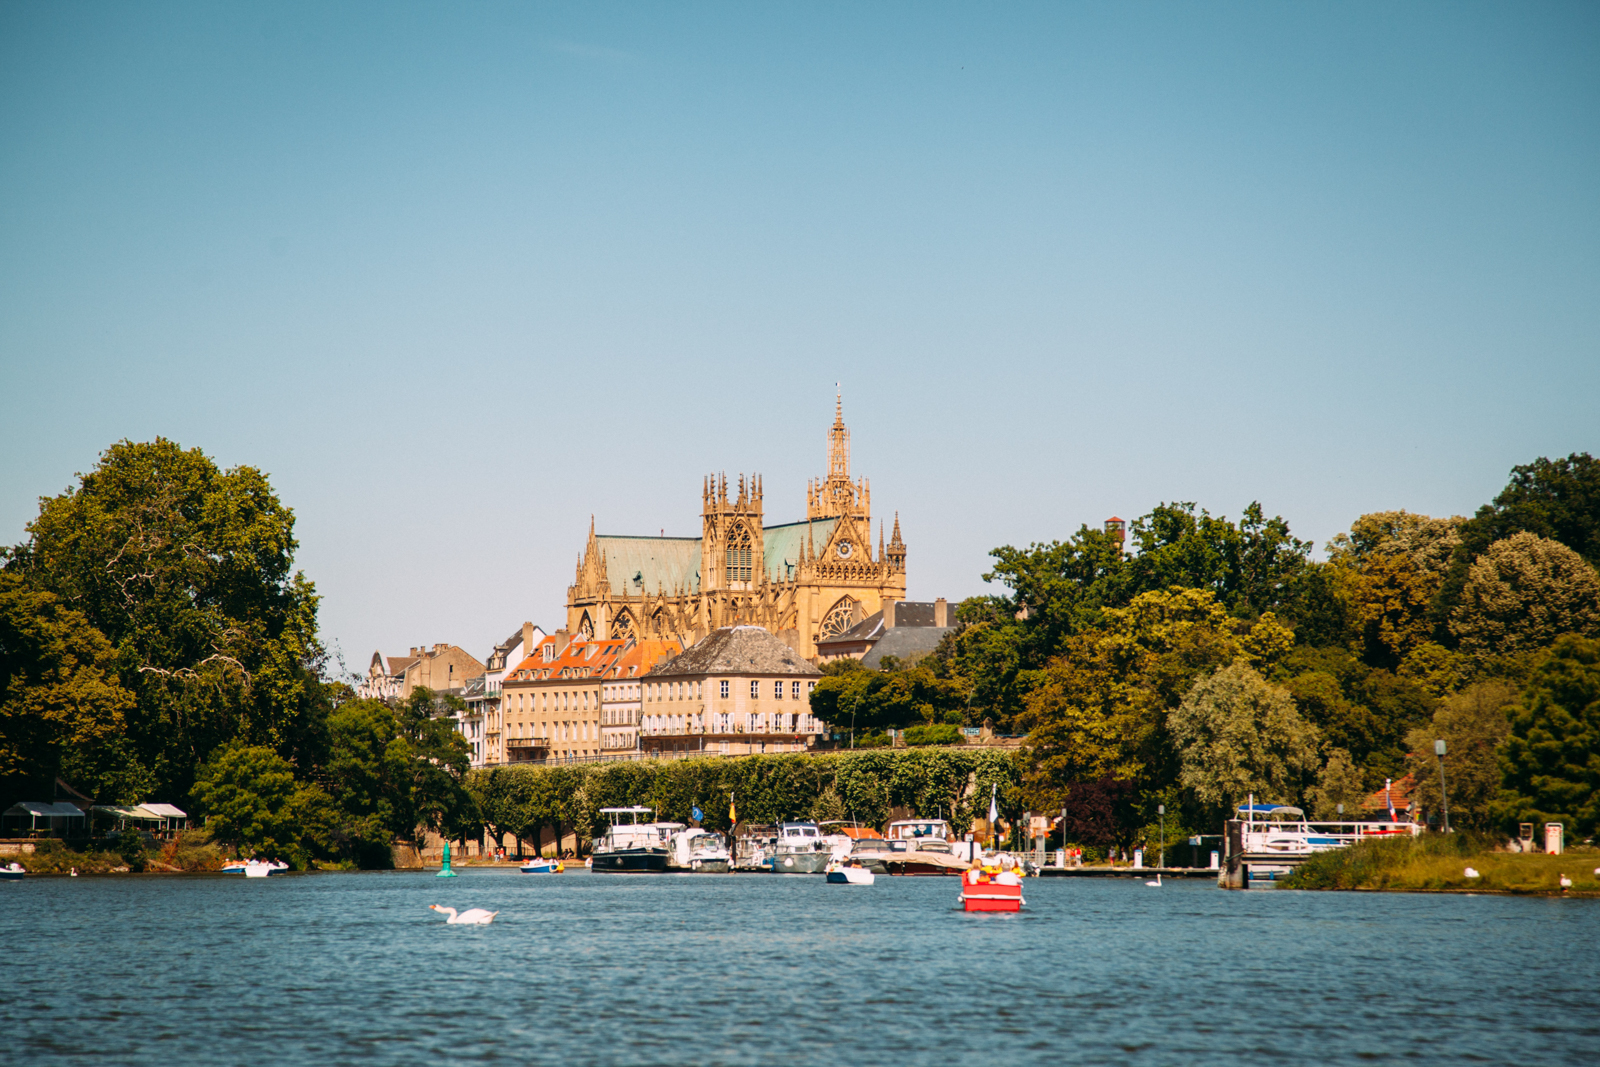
[
  {"x": 157, "y": 644},
  {"x": 868, "y": 785},
  {"x": 1214, "y": 659}
]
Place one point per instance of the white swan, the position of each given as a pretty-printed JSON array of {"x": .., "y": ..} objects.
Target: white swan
[
  {"x": 1156, "y": 884},
  {"x": 470, "y": 917},
  {"x": 1472, "y": 872},
  {"x": 1566, "y": 883}
]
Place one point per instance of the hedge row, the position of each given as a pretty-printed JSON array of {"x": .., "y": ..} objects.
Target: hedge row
[{"x": 867, "y": 785}]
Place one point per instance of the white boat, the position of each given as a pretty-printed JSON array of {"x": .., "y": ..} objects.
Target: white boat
[
  {"x": 263, "y": 868},
  {"x": 848, "y": 872},
  {"x": 1264, "y": 843},
  {"x": 800, "y": 849},
  {"x": 540, "y": 865},
  {"x": 697, "y": 849},
  {"x": 12, "y": 872},
  {"x": 632, "y": 846}
]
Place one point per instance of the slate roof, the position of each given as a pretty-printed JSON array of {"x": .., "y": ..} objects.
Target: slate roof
[
  {"x": 737, "y": 650},
  {"x": 903, "y": 642},
  {"x": 907, "y": 613}
]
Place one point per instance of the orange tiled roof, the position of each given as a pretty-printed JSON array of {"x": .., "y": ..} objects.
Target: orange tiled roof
[
  {"x": 1399, "y": 794},
  {"x": 574, "y": 661}
]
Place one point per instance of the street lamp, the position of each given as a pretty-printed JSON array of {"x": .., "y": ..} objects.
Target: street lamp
[
  {"x": 1162, "y": 810},
  {"x": 1438, "y": 750}
]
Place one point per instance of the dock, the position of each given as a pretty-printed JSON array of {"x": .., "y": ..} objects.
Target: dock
[{"x": 1128, "y": 872}]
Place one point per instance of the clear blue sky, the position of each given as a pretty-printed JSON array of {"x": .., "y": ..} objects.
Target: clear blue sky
[{"x": 458, "y": 276}]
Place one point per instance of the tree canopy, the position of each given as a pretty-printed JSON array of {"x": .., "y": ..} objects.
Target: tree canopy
[{"x": 187, "y": 573}]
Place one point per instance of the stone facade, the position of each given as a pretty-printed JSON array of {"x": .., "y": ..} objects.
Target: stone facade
[
  {"x": 442, "y": 668},
  {"x": 738, "y": 691},
  {"x": 799, "y": 580},
  {"x": 621, "y": 693}
]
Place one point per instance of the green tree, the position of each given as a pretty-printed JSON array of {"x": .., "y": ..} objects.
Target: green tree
[
  {"x": 188, "y": 572},
  {"x": 438, "y": 764},
  {"x": 244, "y": 792},
  {"x": 1339, "y": 782},
  {"x": 1100, "y": 710},
  {"x": 1238, "y": 735},
  {"x": 369, "y": 778},
  {"x": 1473, "y": 723},
  {"x": 1556, "y": 499},
  {"x": 62, "y": 707},
  {"x": 1551, "y": 760},
  {"x": 1522, "y": 593},
  {"x": 1393, "y": 565}
]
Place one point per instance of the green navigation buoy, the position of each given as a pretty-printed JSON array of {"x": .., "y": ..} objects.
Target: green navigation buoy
[{"x": 446, "y": 872}]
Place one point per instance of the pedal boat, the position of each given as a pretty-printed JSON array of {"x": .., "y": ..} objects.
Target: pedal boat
[
  {"x": 542, "y": 866},
  {"x": 980, "y": 892}
]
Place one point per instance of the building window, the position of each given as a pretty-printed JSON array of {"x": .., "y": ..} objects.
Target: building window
[
  {"x": 794, "y": 690},
  {"x": 723, "y": 688},
  {"x": 755, "y": 690},
  {"x": 739, "y": 555},
  {"x": 809, "y": 687},
  {"x": 777, "y": 690}
]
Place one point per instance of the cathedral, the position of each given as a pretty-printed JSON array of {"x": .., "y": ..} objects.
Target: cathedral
[{"x": 804, "y": 581}]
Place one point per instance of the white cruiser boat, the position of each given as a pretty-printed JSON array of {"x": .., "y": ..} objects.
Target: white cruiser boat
[
  {"x": 695, "y": 849},
  {"x": 800, "y": 849},
  {"x": 1264, "y": 843},
  {"x": 633, "y": 845}
]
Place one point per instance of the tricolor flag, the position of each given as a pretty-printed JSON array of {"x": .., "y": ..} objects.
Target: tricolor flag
[{"x": 994, "y": 810}]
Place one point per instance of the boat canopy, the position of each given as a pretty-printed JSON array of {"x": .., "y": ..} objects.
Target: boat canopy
[
  {"x": 1269, "y": 809},
  {"x": 634, "y": 811}
]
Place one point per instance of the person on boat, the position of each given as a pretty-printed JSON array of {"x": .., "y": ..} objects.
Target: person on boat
[{"x": 1008, "y": 873}]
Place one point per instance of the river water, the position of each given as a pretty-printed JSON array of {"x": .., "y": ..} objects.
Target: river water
[{"x": 749, "y": 969}]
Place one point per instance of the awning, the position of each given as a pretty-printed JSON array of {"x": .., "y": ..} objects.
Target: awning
[
  {"x": 165, "y": 811},
  {"x": 42, "y": 810}
]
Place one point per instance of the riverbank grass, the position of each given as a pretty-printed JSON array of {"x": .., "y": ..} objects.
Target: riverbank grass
[{"x": 1439, "y": 863}]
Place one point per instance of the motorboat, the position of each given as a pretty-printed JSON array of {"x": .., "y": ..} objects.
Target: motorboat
[
  {"x": 1264, "y": 843},
  {"x": 755, "y": 848},
  {"x": 13, "y": 872},
  {"x": 263, "y": 868},
  {"x": 840, "y": 835},
  {"x": 540, "y": 865},
  {"x": 989, "y": 888},
  {"x": 633, "y": 845},
  {"x": 873, "y": 853},
  {"x": 848, "y": 872},
  {"x": 919, "y": 831},
  {"x": 800, "y": 849},
  {"x": 697, "y": 849}
]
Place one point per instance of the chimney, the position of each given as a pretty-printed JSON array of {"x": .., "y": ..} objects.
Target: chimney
[
  {"x": 941, "y": 612},
  {"x": 413, "y": 651},
  {"x": 527, "y": 639},
  {"x": 888, "y": 614}
]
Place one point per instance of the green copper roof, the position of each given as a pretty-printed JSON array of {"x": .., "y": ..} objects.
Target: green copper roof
[
  {"x": 780, "y": 545},
  {"x": 638, "y": 565}
]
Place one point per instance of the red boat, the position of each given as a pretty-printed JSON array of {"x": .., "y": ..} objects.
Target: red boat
[{"x": 978, "y": 893}]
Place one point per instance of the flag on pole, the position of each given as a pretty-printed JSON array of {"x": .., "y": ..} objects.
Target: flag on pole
[
  {"x": 1388, "y": 799},
  {"x": 733, "y": 812},
  {"x": 994, "y": 811}
]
